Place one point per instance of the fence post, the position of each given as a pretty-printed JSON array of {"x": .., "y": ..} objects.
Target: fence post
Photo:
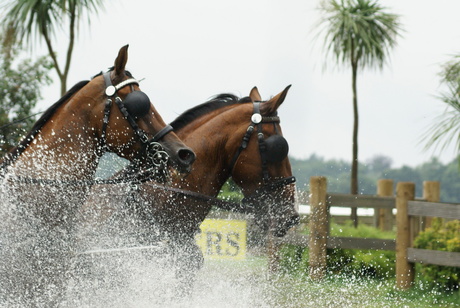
[
  {"x": 384, "y": 217},
  {"x": 405, "y": 191},
  {"x": 431, "y": 193},
  {"x": 319, "y": 227}
]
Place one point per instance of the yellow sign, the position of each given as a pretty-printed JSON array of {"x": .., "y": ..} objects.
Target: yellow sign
[{"x": 223, "y": 239}]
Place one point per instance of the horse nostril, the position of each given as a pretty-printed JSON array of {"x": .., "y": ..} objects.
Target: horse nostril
[{"x": 186, "y": 156}]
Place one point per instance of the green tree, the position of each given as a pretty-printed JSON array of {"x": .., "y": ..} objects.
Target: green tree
[
  {"x": 20, "y": 90},
  {"x": 41, "y": 18},
  {"x": 446, "y": 127},
  {"x": 359, "y": 34},
  {"x": 378, "y": 167},
  {"x": 379, "y": 164},
  {"x": 450, "y": 183}
]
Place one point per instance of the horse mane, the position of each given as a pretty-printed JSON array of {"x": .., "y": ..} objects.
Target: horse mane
[
  {"x": 19, "y": 149},
  {"x": 216, "y": 102}
]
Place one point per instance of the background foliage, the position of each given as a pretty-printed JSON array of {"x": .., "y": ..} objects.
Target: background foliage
[
  {"x": 364, "y": 263},
  {"x": 444, "y": 237},
  {"x": 21, "y": 81},
  {"x": 379, "y": 167}
]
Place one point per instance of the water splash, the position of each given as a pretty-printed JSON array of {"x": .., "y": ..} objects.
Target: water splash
[{"x": 82, "y": 271}]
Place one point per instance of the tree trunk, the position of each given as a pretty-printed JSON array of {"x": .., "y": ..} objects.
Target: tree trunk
[
  {"x": 72, "y": 11},
  {"x": 354, "y": 163},
  {"x": 62, "y": 77}
]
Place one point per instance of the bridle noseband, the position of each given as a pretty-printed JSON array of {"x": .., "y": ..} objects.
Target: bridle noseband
[
  {"x": 150, "y": 147},
  {"x": 257, "y": 120}
]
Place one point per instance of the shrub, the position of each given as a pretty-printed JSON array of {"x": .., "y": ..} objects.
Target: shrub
[
  {"x": 374, "y": 263},
  {"x": 445, "y": 237},
  {"x": 366, "y": 263}
]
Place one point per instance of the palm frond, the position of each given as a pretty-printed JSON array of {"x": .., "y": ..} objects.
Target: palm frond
[
  {"x": 32, "y": 18},
  {"x": 359, "y": 31},
  {"x": 445, "y": 129}
]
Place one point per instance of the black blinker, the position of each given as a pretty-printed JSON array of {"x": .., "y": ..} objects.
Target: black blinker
[
  {"x": 277, "y": 148},
  {"x": 137, "y": 104}
]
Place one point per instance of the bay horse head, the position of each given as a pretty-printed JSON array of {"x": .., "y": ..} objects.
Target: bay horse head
[
  {"x": 108, "y": 113},
  {"x": 261, "y": 167},
  {"x": 145, "y": 123},
  {"x": 232, "y": 138}
]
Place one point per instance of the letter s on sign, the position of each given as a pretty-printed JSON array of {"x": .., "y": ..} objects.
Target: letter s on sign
[{"x": 232, "y": 241}]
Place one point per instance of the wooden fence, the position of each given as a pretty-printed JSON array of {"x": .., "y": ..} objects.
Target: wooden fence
[{"x": 412, "y": 216}]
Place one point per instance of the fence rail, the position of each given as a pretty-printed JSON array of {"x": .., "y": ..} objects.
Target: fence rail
[
  {"x": 433, "y": 209},
  {"x": 340, "y": 242},
  {"x": 368, "y": 201},
  {"x": 411, "y": 216},
  {"x": 444, "y": 258}
]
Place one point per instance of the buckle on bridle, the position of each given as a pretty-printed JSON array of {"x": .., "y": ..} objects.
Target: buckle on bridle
[
  {"x": 143, "y": 138},
  {"x": 156, "y": 154}
]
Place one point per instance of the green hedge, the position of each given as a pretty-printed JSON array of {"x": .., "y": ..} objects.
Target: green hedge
[
  {"x": 372, "y": 263},
  {"x": 368, "y": 263},
  {"x": 445, "y": 237}
]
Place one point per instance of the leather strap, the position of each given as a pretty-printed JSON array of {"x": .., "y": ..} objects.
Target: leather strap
[{"x": 163, "y": 132}]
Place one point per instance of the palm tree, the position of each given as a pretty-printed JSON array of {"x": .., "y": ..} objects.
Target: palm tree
[
  {"x": 358, "y": 33},
  {"x": 446, "y": 127},
  {"x": 26, "y": 18}
]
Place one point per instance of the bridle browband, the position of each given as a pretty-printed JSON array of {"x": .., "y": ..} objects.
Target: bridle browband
[{"x": 150, "y": 147}]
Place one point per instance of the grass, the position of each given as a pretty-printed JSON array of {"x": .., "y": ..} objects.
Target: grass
[
  {"x": 340, "y": 291},
  {"x": 247, "y": 284},
  {"x": 364, "y": 231},
  {"x": 299, "y": 290}
]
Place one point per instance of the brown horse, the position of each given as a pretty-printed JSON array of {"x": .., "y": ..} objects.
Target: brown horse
[
  {"x": 47, "y": 176},
  {"x": 237, "y": 138},
  {"x": 107, "y": 113}
]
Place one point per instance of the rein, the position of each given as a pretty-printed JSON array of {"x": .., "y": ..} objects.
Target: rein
[
  {"x": 26, "y": 180},
  {"x": 240, "y": 207},
  {"x": 19, "y": 120},
  {"x": 244, "y": 206}
]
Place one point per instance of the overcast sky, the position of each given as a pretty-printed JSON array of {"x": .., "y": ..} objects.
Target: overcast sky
[{"x": 188, "y": 51}]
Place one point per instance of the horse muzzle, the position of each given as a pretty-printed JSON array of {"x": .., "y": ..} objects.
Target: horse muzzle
[{"x": 164, "y": 155}]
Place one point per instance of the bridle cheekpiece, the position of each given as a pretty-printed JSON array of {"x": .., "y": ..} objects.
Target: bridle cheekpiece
[
  {"x": 134, "y": 105},
  {"x": 272, "y": 149}
]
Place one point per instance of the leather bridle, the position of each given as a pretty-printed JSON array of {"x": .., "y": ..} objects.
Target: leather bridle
[
  {"x": 257, "y": 120},
  {"x": 150, "y": 147}
]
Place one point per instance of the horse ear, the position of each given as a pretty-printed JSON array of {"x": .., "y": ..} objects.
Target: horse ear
[
  {"x": 254, "y": 95},
  {"x": 272, "y": 105},
  {"x": 120, "y": 61}
]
